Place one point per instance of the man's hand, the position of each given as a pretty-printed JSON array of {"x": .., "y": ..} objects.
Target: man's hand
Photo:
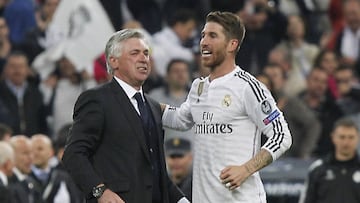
[
  {"x": 233, "y": 176},
  {"x": 110, "y": 197}
]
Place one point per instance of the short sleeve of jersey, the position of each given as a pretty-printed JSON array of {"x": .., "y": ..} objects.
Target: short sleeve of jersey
[{"x": 263, "y": 111}]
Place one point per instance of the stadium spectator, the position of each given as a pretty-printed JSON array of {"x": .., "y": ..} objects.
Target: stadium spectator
[
  {"x": 35, "y": 40},
  {"x": 324, "y": 107},
  {"x": 24, "y": 110},
  {"x": 61, "y": 90},
  {"x": 5, "y": 44},
  {"x": 349, "y": 92},
  {"x": 176, "y": 89},
  {"x": 6, "y": 166},
  {"x": 25, "y": 189},
  {"x": 304, "y": 126},
  {"x": 56, "y": 185},
  {"x": 329, "y": 61},
  {"x": 5, "y": 132},
  {"x": 301, "y": 55},
  {"x": 169, "y": 42},
  {"x": 265, "y": 27},
  {"x": 20, "y": 17},
  {"x": 347, "y": 40}
]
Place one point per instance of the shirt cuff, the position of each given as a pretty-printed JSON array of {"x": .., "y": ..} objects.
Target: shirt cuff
[{"x": 183, "y": 200}]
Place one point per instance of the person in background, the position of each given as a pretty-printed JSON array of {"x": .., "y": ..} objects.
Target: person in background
[
  {"x": 24, "y": 109},
  {"x": 169, "y": 43},
  {"x": 5, "y": 132},
  {"x": 336, "y": 177},
  {"x": 175, "y": 91},
  {"x": 305, "y": 127},
  {"x": 19, "y": 24},
  {"x": 179, "y": 161},
  {"x": 56, "y": 185},
  {"x": 5, "y": 44},
  {"x": 349, "y": 92},
  {"x": 61, "y": 90},
  {"x": 300, "y": 53},
  {"x": 25, "y": 188},
  {"x": 347, "y": 39},
  {"x": 6, "y": 170},
  {"x": 177, "y": 84},
  {"x": 329, "y": 61},
  {"x": 323, "y": 106}
]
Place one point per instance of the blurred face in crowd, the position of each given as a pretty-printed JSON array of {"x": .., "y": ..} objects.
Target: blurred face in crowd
[
  {"x": 344, "y": 80},
  {"x": 185, "y": 30},
  {"x": 133, "y": 64},
  {"x": 329, "y": 62},
  {"x": 276, "y": 75},
  {"x": 178, "y": 75},
  {"x": 296, "y": 27},
  {"x": 213, "y": 45},
  {"x": 7, "y": 158},
  {"x": 278, "y": 56},
  {"x": 4, "y": 30},
  {"x": 254, "y": 15},
  {"x": 16, "y": 69},
  {"x": 49, "y": 8},
  {"x": 317, "y": 83},
  {"x": 42, "y": 150},
  {"x": 352, "y": 14},
  {"x": 67, "y": 69},
  {"x": 179, "y": 165},
  {"x": 264, "y": 79},
  {"x": 345, "y": 140},
  {"x": 23, "y": 153}
]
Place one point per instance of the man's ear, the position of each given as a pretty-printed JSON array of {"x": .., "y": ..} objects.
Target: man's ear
[
  {"x": 113, "y": 62},
  {"x": 233, "y": 45}
]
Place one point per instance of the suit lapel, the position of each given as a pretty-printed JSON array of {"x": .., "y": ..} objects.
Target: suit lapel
[{"x": 131, "y": 115}]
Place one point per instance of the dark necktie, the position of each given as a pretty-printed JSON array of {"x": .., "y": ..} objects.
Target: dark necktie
[{"x": 144, "y": 114}]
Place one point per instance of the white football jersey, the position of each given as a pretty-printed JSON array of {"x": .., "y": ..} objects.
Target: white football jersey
[{"x": 228, "y": 116}]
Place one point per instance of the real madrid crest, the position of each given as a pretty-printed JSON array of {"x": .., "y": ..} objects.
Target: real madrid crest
[{"x": 226, "y": 101}]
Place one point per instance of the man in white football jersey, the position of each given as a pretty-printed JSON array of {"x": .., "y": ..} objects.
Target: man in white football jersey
[{"x": 229, "y": 110}]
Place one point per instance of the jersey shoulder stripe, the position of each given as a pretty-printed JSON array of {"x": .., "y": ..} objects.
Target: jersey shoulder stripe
[{"x": 253, "y": 83}]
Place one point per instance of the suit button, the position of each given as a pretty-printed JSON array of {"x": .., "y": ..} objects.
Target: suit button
[{"x": 151, "y": 150}]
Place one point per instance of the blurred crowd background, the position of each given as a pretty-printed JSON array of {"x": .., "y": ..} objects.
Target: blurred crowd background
[{"x": 307, "y": 52}]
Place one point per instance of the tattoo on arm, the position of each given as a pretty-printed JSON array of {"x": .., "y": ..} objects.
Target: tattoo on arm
[{"x": 260, "y": 160}]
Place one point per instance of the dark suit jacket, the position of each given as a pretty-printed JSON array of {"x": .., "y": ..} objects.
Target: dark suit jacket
[
  {"x": 5, "y": 193},
  {"x": 56, "y": 177},
  {"x": 34, "y": 110},
  {"x": 25, "y": 191},
  {"x": 106, "y": 144}
]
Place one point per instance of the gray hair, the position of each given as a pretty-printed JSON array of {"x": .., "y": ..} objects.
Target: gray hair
[
  {"x": 6, "y": 152},
  {"x": 114, "y": 45}
]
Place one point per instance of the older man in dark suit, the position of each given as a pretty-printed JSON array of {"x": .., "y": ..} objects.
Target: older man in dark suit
[{"x": 115, "y": 147}]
